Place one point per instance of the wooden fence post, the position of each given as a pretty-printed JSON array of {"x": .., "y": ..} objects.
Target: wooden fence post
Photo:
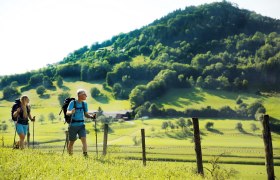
[
  {"x": 106, "y": 127},
  {"x": 268, "y": 148},
  {"x": 198, "y": 151},
  {"x": 143, "y": 146},
  {"x": 3, "y": 141}
]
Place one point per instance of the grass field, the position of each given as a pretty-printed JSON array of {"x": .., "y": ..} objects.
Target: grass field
[{"x": 243, "y": 151}]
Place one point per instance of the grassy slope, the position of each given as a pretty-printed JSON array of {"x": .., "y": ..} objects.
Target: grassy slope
[
  {"x": 237, "y": 146},
  {"x": 196, "y": 98}
]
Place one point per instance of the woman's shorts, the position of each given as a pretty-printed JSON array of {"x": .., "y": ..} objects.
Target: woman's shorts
[
  {"x": 74, "y": 130},
  {"x": 21, "y": 129}
]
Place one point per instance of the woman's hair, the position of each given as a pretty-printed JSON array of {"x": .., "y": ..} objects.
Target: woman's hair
[{"x": 23, "y": 103}]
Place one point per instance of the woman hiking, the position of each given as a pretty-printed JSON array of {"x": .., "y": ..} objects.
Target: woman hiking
[{"x": 23, "y": 113}]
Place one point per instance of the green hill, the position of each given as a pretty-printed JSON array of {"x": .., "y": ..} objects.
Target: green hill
[{"x": 216, "y": 47}]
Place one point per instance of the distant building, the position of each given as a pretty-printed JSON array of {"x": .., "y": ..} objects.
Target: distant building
[{"x": 123, "y": 114}]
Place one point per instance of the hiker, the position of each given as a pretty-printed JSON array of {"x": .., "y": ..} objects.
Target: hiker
[
  {"x": 78, "y": 109},
  {"x": 22, "y": 114}
]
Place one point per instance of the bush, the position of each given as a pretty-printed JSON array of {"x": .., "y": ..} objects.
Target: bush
[
  {"x": 94, "y": 92},
  {"x": 209, "y": 125},
  {"x": 40, "y": 90},
  {"x": 10, "y": 92},
  {"x": 59, "y": 81},
  {"x": 62, "y": 97}
]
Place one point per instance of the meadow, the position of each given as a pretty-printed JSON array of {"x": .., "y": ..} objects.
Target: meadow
[{"x": 166, "y": 149}]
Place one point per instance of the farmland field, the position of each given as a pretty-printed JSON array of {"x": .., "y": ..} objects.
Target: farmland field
[{"x": 172, "y": 148}]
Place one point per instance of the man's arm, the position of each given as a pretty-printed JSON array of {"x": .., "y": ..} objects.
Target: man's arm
[{"x": 70, "y": 109}]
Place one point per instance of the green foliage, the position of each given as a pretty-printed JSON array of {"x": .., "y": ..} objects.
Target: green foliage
[
  {"x": 51, "y": 117},
  {"x": 41, "y": 118},
  {"x": 10, "y": 92},
  {"x": 164, "y": 125},
  {"x": 47, "y": 83},
  {"x": 239, "y": 127},
  {"x": 62, "y": 97},
  {"x": 219, "y": 172},
  {"x": 59, "y": 81},
  {"x": 51, "y": 165},
  {"x": 36, "y": 80},
  {"x": 181, "y": 123},
  {"x": 214, "y": 46},
  {"x": 255, "y": 107},
  {"x": 14, "y": 84},
  {"x": 94, "y": 92},
  {"x": 209, "y": 125},
  {"x": 239, "y": 100},
  {"x": 40, "y": 90}
]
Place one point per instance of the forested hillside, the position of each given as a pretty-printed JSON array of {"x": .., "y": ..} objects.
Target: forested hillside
[{"x": 212, "y": 46}]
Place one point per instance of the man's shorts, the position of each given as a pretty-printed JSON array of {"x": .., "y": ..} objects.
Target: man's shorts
[
  {"x": 74, "y": 130},
  {"x": 21, "y": 129}
]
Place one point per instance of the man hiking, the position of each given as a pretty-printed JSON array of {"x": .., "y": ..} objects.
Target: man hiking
[{"x": 78, "y": 109}]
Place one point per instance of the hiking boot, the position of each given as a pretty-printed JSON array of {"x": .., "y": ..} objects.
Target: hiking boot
[{"x": 85, "y": 154}]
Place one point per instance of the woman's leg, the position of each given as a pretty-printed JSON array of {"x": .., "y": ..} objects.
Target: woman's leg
[
  {"x": 21, "y": 140},
  {"x": 21, "y": 130}
]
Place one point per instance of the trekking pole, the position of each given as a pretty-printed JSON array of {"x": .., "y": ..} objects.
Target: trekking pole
[
  {"x": 14, "y": 145},
  {"x": 95, "y": 137},
  {"x": 33, "y": 134},
  {"x": 66, "y": 135}
]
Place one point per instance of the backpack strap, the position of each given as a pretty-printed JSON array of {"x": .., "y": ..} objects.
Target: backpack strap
[
  {"x": 74, "y": 107},
  {"x": 84, "y": 108}
]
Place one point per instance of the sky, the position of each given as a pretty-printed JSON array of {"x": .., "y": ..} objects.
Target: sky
[{"x": 35, "y": 33}]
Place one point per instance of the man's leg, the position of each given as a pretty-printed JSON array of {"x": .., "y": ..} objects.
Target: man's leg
[
  {"x": 70, "y": 147},
  {"x": 82, "y": 136},
  {"x": 84, "y": 142},
  {"x": 72, "y": 134}
]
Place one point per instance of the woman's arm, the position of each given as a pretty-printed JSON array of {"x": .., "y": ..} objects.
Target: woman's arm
[
  {"x": 30, "y": 117},
  {"x": 16, "y": 113}
]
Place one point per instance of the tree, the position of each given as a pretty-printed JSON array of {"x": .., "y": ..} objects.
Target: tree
[
  {"x": 99, "y": 111},
  {"x": 47, "y": 83},
  {"x": 94, "y": 92},
  {"x": 41, "y": 118},
  {"x": 181, "y": 122},
  {"x": 171, "y": 125},
  {"x": 255, "y": 107},
  {"x": 154, "y": 110},
  {"x": 62, "y": 97},
  {"x": 239, "y": 100},
  {"x": 59, "y": 81},
  {"x": 209, "y": 125},
  {"x": 239, "y": 127},
  {"x": 117, "y": 89},
  {"x": 164, "y": 125},
  {"x": 10, "y": 92},
  {"x": 199, "y": 82},
  {"x": 36, "y": 79},
  {"x": 40, "y": 90},
  {"x": 254, "y": 127},
  {"x": 14, "y": 84},
  {"x": 3, "y": 127},
  {"x": 51, "y": 117}
]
